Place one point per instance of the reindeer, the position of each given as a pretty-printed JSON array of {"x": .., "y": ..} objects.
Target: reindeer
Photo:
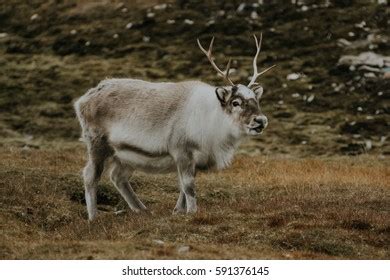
[{"x": 165, "y": 127}]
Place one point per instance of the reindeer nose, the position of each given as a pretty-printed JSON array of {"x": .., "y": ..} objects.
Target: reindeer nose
[{"x": 261, "y": 120}]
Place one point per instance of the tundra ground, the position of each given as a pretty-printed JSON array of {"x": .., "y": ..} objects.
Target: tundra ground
[{"x": 260, "y": 207}]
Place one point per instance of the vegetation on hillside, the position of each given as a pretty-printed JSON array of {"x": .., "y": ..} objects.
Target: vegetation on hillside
[{"x": 53, "y": 51}]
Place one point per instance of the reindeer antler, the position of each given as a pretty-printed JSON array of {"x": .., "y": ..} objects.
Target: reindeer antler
[
  {"x": 208, "y": 53},
  {"x": 256, "y": 74}
]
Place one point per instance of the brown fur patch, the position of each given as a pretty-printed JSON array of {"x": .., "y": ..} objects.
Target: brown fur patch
[
  {"x": 138, "y": 150},
  {"x": 114, "y": 99},
  {"x": 250, "y": 107}
]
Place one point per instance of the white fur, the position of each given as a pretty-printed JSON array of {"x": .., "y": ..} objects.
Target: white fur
[
  {"x": 134, "y": 119},
  {"x": 246, "y": 92},
  {"x": 204, "y": 122},
  {"x": 209, "y": 125}
]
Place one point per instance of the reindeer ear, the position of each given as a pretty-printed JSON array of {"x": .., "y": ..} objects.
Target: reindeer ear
[
  {"x": 258, "y": 90},
  {"x": 223, "y": 95}
]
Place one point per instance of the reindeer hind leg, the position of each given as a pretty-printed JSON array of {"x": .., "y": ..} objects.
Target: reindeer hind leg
[
  {"x": 98, "y": 152},
  {"x": 119, "y": 177}
]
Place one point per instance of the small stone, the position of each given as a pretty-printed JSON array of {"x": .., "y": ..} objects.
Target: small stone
[
  {"x": 351, "y": 34},
  {"x": 310, "y": 98},
  {"x": 171, "y": 21},
  {"x": 359, "y": 109},
  {"x": 295, "y": 95},
  {"x": 115, "y": 36},
  {"x": 88, "y": 43},
  {"x": 338, "y": 88},
  {"x": 150, "y": 15},
  {"x": 369, "y": 75},
  {"x": 210, "y": 22},
  {"x": 380, "y": 93},
  {"x": 361, "y": 24},
  {"x": 129, "y": 25},
  {"x": 368, "y": 144},
  {"x": 343, "y": 42},
  {"x": 73, "y": 32},
  {"x": 146, "y": 39},
  {"x": 293, "y": 76},
  {"x": 26, "y": 148},
  {"x": 34, "y": 17},
  {"x": 160, "y": 7},
  {"x": 158, "y": 242},
  {"x": 3, "y": 35},
  {"x": 124, "y": 10},
  {"x": 183, "y": 249},
  {"x": 254, "y": 15},
  {"x": 288, "y": 256},
  {"x": 221, "y": 13},
  {"x": 304, "y": 8},
  {"x": 241, "y": 7},
  {"x": 188, "y": 21}
]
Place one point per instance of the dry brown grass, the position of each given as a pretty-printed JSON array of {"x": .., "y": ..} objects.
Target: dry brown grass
[{"x": 259, "y": 208}]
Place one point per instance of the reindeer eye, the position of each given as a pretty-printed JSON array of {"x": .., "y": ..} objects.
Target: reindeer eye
[{"x": 236, "y": 103}]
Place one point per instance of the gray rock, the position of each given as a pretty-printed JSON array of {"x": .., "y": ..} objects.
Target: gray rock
[{"x": 183, "y": 249}]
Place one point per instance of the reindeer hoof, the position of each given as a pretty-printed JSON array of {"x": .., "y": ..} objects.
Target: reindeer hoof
[
  {"x": 178, "y": 211},
  {"x": 191, "y": 211}
]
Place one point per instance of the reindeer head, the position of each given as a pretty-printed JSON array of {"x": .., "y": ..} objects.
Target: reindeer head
[{"x": 241, "y": 102}]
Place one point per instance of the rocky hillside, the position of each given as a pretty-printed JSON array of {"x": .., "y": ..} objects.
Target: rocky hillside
[{"x": 329, "y": 93}]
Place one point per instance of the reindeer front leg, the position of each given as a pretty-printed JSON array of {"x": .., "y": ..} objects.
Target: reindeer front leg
[
  {"x": 181, "y": 205},
  {"x": 186, "y": 171}
]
